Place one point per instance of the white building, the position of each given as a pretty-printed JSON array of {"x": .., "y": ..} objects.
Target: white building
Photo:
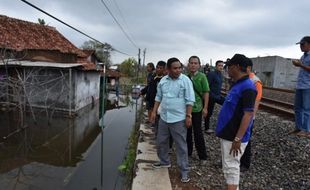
[{"x": 276, "y": 71}]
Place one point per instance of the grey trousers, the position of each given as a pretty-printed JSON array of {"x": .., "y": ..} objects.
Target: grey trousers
[{"x": 178, "y": 132}]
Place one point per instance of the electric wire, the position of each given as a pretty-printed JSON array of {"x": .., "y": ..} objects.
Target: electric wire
[
  {"x": 79, "y": 31},
  {"x": 120, "y": 26},
  {"x": 122, "y": 17}
]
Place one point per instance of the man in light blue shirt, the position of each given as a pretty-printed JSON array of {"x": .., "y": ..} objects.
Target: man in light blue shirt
[
  {"x": 175, "y": 95},
  {"x": 302, "y": 96}
]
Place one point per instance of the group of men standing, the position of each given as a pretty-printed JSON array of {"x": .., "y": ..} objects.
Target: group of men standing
[{"x": 184, "y": 100}]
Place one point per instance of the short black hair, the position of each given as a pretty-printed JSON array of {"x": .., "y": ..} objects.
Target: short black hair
[
  {"x": 161, "y": 63},
  {"x": 218, "y": 61},
  {"x": 151, "y": 65},
  {"x": 172, "y": 60},
  {"x": 250, "y": 62},
  {"x": 193, "y": 57}
]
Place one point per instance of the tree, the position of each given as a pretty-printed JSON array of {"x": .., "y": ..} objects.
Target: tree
[
  {"x": 102, "y": 51},
  {"x": 41, "y": 21},
  {"x": 128, "y": 67}
]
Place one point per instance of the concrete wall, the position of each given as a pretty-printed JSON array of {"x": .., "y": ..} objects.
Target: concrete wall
[
  {"x": 264, "y": 68},
  {"x": 86, "y": 88},
  {"x": 286, "y": 74},
  {"x": 49, "y": 88},
  {"x": 275, "y": 71}
]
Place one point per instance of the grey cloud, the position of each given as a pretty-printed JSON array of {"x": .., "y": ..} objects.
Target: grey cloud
[{"x": 170, "y": 26}]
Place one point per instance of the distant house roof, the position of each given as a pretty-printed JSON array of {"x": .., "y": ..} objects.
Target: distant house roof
[
  {"x": 113, "y": 67},
  {"x": 87, "y": 52},
  {"x": 88, "y": 66},
  {"x": 113, "y": 73},
  {"x": 21, "y": 35}
]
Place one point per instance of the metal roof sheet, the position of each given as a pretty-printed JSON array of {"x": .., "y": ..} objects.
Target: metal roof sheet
[{"x": 39, "y": 64}]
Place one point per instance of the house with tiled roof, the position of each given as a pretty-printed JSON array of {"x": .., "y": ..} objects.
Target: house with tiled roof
[
  {"x": 36, "y": 42},
  {"x": 55, "y": 73}
]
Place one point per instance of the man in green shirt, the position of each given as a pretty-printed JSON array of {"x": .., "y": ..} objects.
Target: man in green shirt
[{"x": 200, "y": 108}]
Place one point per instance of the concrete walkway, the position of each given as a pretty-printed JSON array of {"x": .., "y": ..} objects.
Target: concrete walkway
[{"x": 146, "y": 176}]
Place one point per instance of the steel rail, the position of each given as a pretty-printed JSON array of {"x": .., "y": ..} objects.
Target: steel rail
[
  {"x": 279, "y": 89},
  {"x": 276, "y": 107}
]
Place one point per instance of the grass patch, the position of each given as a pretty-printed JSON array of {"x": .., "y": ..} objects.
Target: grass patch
[{"x": 127, "y": 167}]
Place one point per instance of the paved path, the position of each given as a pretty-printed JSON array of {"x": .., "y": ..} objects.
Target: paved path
[{"x": 146, "y": 176}]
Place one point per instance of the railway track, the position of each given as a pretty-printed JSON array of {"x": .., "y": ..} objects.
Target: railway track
[
  {"x": 279, "y": 89},
  {"x": 277, "y": 107}
]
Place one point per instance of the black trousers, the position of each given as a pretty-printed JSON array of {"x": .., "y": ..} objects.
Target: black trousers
[
  {"x": 211, "y": 105},
  {"x": 198, "y": 137},
  {"x": 245, "y": 160}
]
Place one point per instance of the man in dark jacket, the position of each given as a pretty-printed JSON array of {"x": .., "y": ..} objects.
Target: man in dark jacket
[
  {"x": 159, "y": 73},
  {"x": 215, "y": 79},
  {"x": 150, "y": 74}
]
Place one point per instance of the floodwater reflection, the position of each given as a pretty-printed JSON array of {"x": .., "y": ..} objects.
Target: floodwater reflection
[{"x": 63, "y": 152}]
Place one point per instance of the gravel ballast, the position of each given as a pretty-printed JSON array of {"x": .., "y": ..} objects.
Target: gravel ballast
[{"x": 279, "y": 160}]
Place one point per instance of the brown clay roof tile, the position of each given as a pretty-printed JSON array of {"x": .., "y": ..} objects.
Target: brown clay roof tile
[{"x": 22, "y": 35}]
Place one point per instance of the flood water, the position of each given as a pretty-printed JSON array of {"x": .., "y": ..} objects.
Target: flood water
[{"x": 56, "y": 152}]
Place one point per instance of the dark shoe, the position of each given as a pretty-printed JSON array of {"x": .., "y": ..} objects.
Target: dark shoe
[
  {"x": 294, "y": 132},
  {"x": 185, "y": 179},
  {"x": 244, "y": 169},
  {"x": 160, "y": 165}
]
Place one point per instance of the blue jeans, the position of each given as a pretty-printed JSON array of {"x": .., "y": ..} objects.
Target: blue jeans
[{"x": 302, "y": 109}]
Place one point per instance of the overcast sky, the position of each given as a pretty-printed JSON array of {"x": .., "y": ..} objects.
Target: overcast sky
[{"x": 211, "y": 29}]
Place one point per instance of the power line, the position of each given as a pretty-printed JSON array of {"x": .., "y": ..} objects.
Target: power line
[
  {"x": 122, "y": 16},
  {"x": 115, "y": 20},
  {"x": 120, "y": 12},
  {"x": 113, "y": 49}
]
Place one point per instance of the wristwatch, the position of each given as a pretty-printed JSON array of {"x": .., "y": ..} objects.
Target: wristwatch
[
  {"x": 189, "y": 115},
  {"x": 237, "y": 139}
]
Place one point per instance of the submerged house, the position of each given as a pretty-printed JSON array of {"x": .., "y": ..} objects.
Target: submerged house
[{"x": 39, "y": 67}]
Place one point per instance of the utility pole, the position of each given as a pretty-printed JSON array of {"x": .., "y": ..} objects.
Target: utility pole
[
  {"x": 143, "y": 64},
  {"x": 138, "y": 65}
]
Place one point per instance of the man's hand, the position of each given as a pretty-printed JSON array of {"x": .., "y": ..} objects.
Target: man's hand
[
  {"x": 188, "y": 122},
  {"x": 153, "y": 117},
  {"x": 296, "y": 62},
  {"x": 235, "y": 148},
  {"x": 204, "y": 112}
]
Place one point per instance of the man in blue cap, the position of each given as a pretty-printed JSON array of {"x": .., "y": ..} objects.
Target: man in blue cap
[{"x": 302, "y": 96}]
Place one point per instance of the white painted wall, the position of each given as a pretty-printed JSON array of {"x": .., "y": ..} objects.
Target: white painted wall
[{"x": 86, "y": 86}]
